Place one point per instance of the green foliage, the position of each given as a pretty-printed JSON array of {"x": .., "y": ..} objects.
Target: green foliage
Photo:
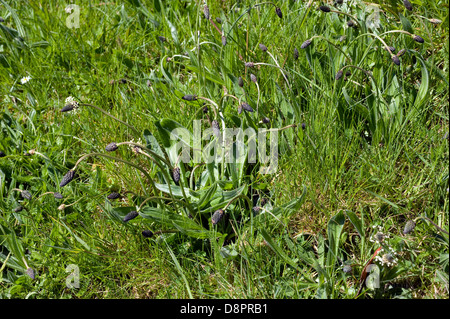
[{"x": 359, "y": 154}]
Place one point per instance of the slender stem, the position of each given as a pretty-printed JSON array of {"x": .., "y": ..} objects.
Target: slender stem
[
  {"x": 116, "y": 159},
  {"x": 275, "y": 60},
  {"x": 148, "y": 150},
  {"x": 348, "y": 15},
  {"x": 338, "y": 48},
  {"x": 423, "y": 217},
  {"x": 111, "y": 116}
]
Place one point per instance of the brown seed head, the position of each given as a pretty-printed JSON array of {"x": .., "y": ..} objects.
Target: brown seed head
[
  {"x": 206, "y": 12},
  {"x": 111, "y": 147},
  {"x": 67, "y": 178},
  {"x": 305, "y": 44},
  {"x": 263, "y": 47},
  {"x": 190, "y": 97},
  {"x": 131, "y": 215},
  {"x": 407, "y": 5},
  {"x": 325, "y": 8},
  {"x": 279, "y": 13},
  {"x": 217, "y": 216},
  {"x": 418, "y": 39},
  {"x": 409, "y": 227},
  {"x": 396, "y": 60}
]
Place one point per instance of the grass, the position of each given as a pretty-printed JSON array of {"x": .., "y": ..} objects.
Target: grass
[{"x": 372, "y": 155}]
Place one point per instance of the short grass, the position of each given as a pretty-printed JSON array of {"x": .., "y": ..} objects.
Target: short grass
[{"x": 372, "y": 152}]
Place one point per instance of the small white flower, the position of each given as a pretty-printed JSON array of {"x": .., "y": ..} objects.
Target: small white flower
[
  {"x": 69, "y": 9},
  {"x": 134, "y": 148},
  {"x": 25, "y": 79},
  {"x": 387, "y": 258}
]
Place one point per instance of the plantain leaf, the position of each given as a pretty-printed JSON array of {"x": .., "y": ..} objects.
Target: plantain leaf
[
  {"x": 291, "y": 207},
  {"x": 335, "y": 226},
  {"x": 356, "y": 221},
  {"x": 184, "y": 224}
]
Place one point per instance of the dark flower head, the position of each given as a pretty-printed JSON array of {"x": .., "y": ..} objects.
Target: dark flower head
[
  {"x": 339, "y": 74},
  {"x": 176, "y": 175},
  {"x": 262, "y": 47},
  {"x": 392, "y": 49},
  {"x": 295, "y": 53},
  {"x": 249, "y": 64},
  {"x": 190, "y": 97},
  {"x": 247, "y": 107},
  {"x": 57, "y": 195},
  {"x": 351, "y": 24},
  {"x": 409, "y": 227},
  {"x": 205, "y": 109},
  {"x": 224, "y": 40},
  {"x": 396, "y": 60},
  {"x": 67, "y": 178},
  {"x": 206, "y": 12},
  {"x": 265, "y": 120},
  {"x": 162, "y": 38},
  {"x": 2, "y": 154},
  {"x": 253, "y": 77},
  {"x": 401, "y": 52},
  {"x": 418, "y": 39},
  {"x": 147, "y": 233},
  {"x": 113, "y": 195},
  {"x": 131, "y": 215},
  {"x": 218, "y": 20},
  {"x": 239, "y": 109},
  {"x": 30, "y": 272},
  {"x": 279, "y": 13},
  {"x": 305, "y": 44},
  {"x": 347, "y": 269},
  {"x": 111, "y": 147},
  {"x": 263, "y": 201},
  {"x": 240, "y": 82},
  {"x": 217, "y": 216},
  {"x": 18, "y": 209},
  {"x": 215, "y": 128},
  {"x": 26, "y": 194},
  {"x": 407, "y": 5},
  {"x": 69, "y": 107},
  {"x": 303, "y": 126},
  {"x": 325, "y": 8}
]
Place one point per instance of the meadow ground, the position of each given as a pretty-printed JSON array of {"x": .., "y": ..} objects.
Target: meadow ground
[{"x": 356, "y": 94}]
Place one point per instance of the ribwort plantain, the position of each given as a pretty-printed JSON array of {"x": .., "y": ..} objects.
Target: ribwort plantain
[
  {"x": 263, "y": 47},
  {"x": 409, "y": 227},
  {"x": 325, "y": 9},
  {"x": 190, "y": 97},
  {"x": 407, "y": 5},
  {"x": 67, "y": 178},
  {"x": 217, "y": 216},
  {"x": 306, "y": 44},
  {"x": 278, "y": 12},
  {"x": 113, "y": 195},
  {"x": 131, "y": 215},
  {"x": 176, "y": 175},
  {"x": 111, "y": 147}
]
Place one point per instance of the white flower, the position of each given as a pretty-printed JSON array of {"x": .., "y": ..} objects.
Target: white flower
[
  {"x": 25, "y": 79},
  {"x": 388, "y": 258},
  {"x": 136, "y": 149},
  {"x": 69, "y": 9}
]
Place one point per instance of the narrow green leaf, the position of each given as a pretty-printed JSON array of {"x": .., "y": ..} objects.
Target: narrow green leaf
[{"x": 356, "y": 221}]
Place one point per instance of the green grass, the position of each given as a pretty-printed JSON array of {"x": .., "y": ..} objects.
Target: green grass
[{"x": 372, "y": 155}]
